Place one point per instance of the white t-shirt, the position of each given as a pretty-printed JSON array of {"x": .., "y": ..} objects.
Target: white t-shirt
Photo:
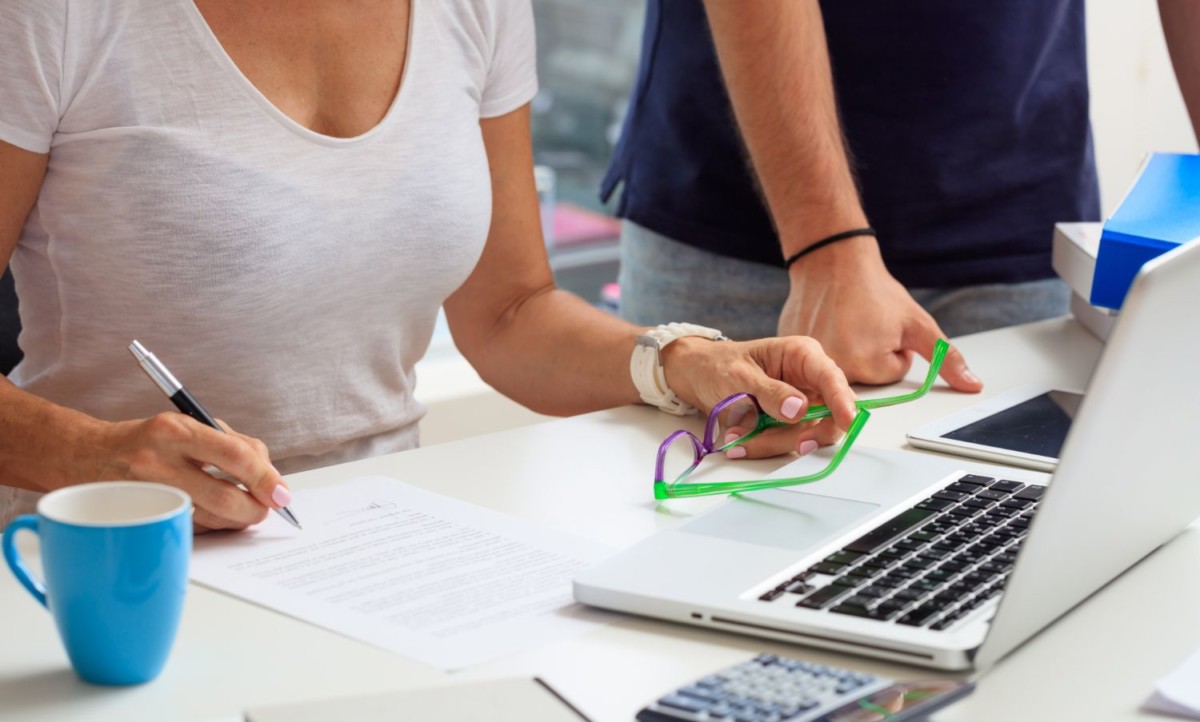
[{"x": 291, "y": 280}]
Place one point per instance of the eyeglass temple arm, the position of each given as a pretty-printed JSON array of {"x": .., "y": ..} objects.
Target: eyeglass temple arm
[{"x": 820, "y": 411}]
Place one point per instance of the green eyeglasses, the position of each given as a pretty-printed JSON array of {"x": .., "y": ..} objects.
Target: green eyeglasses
[{"x": 678, "y": 458}]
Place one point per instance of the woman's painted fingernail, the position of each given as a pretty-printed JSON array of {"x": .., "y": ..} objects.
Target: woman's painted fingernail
[
  {"x": 807, "y": 447},
  {"x": 970, "y": 376},
  {"x": 736, "y": 452},
  {"x": 281, "y": 496},
  {"x": 731, "y": 437},
  {"x": 792, "y": 406}
]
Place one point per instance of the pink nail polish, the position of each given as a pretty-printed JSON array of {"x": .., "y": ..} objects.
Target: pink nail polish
[
  {"x": 281, "y": 496},
  {"x": 792, "y": 406},
  {"x": 731, "y": 436},
  {"x": 807, "y": 447},
  {"x": 736, "y": 452}
]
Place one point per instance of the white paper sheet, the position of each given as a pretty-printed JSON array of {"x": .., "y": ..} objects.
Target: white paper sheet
[
  {"x": 1179, "y": 692},
  {"x": 439, "y": 580}
]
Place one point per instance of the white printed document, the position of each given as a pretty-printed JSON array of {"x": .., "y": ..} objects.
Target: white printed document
[
  {"x": 1178, "y": 693},
  {"x": 435, "y": 579}
]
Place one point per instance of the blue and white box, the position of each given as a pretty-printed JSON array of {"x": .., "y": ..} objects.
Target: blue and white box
[{"x": 1161, "y": 211}]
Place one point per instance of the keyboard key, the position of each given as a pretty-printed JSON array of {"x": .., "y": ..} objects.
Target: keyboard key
[
  {"x": 890, "y": 581},
  {"x": 979, "y": 503},
  {"x": 932, "y": 504},
  {"x": 879, "y": 537},
  {"x": 945, "y": 622},
  {"x": 1032, "y": 492},
  {"x": 891, "y": 608},
  {"x": 1015, "y": 503},
  {"x": 950, "y": 495},
  {"x": 851, "y": 608},
  {"x": 963, "y": 487},
  {"x": 822, "y": 597},
  {"x": 918, "y": 563},
  {"x": 771, "y": 595},
  {"x": 826, "y": 568},
  {"x": 925, "y": 585},
  {"x": 878, "y": 564},
  {"x": 874, "y": 592},
  {"x": 992, "y": 494},
  {"x": 861, "y": 573},
  {"x": 919, "y": 616},
  {"x": 842, "y": 557},
  {"x": 976, "y": 480},
  {"x": 1007, "y": 486}
]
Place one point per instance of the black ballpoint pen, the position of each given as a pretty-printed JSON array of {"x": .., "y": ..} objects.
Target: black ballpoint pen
[{"x": 184, "y": 401}]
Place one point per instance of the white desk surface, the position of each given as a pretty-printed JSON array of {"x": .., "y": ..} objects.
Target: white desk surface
[{"x": 590, "y": 476}]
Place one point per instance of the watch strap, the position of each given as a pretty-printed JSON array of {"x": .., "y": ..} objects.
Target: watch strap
[{"x": 646, "y": 369}]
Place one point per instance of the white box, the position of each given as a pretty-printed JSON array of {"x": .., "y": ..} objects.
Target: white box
[
  {"x": 1094, "y": 318},
  {"x": 1073, "y": 254},
  {"x": 1073, "y": 257}
]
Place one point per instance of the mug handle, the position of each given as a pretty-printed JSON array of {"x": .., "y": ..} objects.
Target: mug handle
[{"x": 30, "y": 582}]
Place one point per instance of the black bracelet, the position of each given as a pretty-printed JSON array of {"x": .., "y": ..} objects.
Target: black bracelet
[{"x": 826, "y": 241}]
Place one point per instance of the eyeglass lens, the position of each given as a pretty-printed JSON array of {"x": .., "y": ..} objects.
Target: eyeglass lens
[
  {"x": 741, "y": 416},
  {"x": 679, "y": 460}
]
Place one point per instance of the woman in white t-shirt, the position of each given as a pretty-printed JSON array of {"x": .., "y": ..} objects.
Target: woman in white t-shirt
[{"x": 276, "y": 196}]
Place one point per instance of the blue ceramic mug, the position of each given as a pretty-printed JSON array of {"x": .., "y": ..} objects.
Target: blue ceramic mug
[{"x": 115, "y": 556}]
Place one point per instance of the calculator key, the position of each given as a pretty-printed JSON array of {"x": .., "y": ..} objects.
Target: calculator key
[{"x": 688, "y": 704}]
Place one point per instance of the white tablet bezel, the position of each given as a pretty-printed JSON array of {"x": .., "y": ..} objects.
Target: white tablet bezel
[{"x": 930, "y": 436}]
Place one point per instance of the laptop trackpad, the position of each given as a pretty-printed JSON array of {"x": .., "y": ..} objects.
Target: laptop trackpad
[{"x": 783, "y": 519}]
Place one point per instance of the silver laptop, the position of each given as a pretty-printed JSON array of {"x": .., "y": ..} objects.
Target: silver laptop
[{"x": 945, "y": 563}]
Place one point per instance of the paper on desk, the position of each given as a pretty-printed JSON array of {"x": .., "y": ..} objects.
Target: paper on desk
[
  {"x": 441, "y": 581},
  {"x": 1179, "y": 692}
]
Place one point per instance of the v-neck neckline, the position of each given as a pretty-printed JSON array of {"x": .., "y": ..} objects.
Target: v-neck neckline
[{"x": 223, "y": 57}]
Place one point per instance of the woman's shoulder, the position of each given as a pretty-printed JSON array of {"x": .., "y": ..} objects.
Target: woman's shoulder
[{"x": 489, "y": 17}]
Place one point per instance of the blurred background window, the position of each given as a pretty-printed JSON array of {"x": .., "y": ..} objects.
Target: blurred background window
[{"x": 587, "y": 53}]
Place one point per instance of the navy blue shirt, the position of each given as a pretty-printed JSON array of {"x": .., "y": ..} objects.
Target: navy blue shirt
[{"x": 967, "y": 123}]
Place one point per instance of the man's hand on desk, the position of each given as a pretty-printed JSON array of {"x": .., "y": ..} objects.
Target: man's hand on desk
[
  {"x": 784, "y": 374},
  {"x": 843, "y": 296}
]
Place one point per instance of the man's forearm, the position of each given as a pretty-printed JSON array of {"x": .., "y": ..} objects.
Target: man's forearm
[
  {"x": 1181, "y": 27},
  {"x": 775, "y": 61}
]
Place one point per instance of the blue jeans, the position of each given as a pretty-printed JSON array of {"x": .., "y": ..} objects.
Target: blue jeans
[{"x": 663, "y": 281}]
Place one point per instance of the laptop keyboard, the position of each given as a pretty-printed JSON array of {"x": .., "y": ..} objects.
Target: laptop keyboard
[{"x": 931, "y": 565}]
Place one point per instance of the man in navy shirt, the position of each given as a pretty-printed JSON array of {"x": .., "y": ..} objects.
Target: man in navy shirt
[{"x": 957, "y": 131}]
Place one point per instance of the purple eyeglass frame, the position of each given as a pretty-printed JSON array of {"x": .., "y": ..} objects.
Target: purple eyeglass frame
[{"x": 708, "y": 446}]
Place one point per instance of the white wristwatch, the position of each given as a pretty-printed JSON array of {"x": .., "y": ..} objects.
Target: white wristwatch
[{"x": 645, "y": 365}]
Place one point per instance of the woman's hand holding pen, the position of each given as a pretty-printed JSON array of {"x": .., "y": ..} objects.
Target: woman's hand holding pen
[{"x": 172, "y": 448}]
